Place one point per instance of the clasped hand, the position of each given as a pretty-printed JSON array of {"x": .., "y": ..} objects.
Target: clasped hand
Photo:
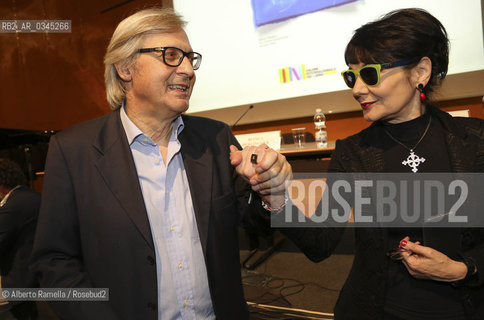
[{"x": 269, "y": 174}]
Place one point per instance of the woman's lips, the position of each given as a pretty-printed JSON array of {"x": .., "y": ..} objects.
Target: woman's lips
[{"x": 366, "y": 105}]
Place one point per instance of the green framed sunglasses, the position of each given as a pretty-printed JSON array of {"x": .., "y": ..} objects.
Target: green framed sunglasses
[{"x": 370, "y": 73}]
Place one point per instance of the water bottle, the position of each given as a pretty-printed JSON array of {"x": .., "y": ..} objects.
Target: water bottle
[{"x": 321, "y": 134}]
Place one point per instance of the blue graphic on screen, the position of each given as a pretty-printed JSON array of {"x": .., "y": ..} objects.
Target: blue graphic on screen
[{"x": 270, "y": 11}]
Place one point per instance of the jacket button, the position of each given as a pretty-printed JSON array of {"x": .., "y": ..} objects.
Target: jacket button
[
  {"x": 151, "y": 260},
  {"x": 151, "y": 305}
]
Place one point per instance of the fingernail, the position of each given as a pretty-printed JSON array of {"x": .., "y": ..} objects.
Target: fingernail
[{"x": 403, "y": 243}]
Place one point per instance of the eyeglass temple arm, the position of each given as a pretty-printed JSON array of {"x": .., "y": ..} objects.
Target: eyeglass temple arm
[{"x": 399, "y": 63}]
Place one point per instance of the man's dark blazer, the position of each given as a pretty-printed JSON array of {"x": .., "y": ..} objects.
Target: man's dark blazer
[
  {"x": 18, "y": 217},
  {"x": 93, "y": 228},
  {"x": 363, "y": 294}
]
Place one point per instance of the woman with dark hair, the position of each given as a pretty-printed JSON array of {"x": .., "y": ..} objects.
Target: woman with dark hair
[{"x": 395, "y": 63}]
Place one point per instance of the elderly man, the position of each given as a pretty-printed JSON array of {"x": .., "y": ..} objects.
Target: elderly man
[
  {"x": 147, "y": 201},
  {"x": 19, "y": 208}
]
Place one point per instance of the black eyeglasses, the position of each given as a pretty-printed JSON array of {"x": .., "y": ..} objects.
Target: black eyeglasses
[
  {"x": 370, "y": 73},
  {"x": 173, "y": 57}
]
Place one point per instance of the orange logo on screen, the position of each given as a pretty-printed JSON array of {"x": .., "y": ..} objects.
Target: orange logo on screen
[{"x": 289, "y": 74}]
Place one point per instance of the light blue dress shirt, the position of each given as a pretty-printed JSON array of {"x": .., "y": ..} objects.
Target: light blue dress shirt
[{"x": 183, "y": 291}]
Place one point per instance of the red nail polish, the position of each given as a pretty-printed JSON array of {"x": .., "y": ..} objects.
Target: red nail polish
[{"x": 403, "y": 243}]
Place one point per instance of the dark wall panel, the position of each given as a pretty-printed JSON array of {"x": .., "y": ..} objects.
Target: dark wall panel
[{"x": 50, "y": 81}]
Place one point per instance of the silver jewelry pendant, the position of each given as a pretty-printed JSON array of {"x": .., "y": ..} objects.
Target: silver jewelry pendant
[{"x": 413, "y": 161}]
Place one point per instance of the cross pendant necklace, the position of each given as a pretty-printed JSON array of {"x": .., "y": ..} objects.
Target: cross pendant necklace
[{"x": 413, "y": 160}]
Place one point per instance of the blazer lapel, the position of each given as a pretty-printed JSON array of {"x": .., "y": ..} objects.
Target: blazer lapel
[
  {"x": 371, "y": 157},
  {"x": 198, "y": 161},
  {"x": 116, "y": 165},
  {"x": 462, "y": 153}
]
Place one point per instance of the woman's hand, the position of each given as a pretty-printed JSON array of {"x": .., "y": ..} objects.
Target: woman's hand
[{"x": 427, "y": 263}]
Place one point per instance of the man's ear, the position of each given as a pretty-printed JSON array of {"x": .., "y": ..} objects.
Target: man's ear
[
  {"x": 123, "y": 71},
  {"x": 423, "y": 71}
]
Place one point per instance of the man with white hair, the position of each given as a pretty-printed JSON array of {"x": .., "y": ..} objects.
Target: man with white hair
[{"x": 147, "y": 201}]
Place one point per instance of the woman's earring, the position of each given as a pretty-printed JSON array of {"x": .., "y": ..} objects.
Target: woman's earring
[{"x": 420, "y": 88}]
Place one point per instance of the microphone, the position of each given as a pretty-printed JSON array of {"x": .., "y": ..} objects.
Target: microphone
[{"x": 243, "y": 114}]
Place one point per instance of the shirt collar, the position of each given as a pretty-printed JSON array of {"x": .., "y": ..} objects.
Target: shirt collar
[{"x": 132, "y": 131}]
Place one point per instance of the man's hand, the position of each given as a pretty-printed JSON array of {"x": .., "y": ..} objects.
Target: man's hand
[{"x": 269, "y": 174}]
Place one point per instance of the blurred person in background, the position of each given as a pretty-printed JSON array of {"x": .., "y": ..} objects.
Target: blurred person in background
[{"x": 19, "y": 209}]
